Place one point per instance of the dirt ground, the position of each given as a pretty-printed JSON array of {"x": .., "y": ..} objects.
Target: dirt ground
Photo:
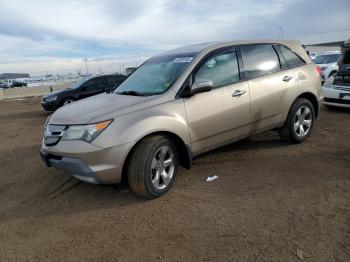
[{"x": 272, "y": 202}]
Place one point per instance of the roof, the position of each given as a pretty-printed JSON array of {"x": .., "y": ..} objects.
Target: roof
[
  {"x": 207, "y": 47},
  {"x": 214, "y": 45}
]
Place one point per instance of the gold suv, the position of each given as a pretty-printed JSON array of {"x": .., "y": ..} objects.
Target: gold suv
[{"x": 180, "y": 104}]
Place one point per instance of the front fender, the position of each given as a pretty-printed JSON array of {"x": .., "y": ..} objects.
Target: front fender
[{"x": 132, "y": 127}]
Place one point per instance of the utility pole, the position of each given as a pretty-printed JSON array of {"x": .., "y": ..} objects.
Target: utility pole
[
  {"x": 86, "y": 66},
  {"x": 280, "y": 34}
]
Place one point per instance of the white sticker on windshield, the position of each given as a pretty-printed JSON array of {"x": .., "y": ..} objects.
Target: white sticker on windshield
[{"x": 183, "y": 59}]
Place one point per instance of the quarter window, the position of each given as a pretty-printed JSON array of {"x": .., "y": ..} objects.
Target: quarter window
[
  {"x": 221, "y": 69},
  {"x": 259, "y": 60},
  {"x": 291, "y": 59}
]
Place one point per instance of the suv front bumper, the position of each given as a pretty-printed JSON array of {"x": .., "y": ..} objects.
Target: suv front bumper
[{"x": 87, "y": 162}]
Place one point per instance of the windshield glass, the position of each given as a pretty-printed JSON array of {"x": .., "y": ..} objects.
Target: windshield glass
[
  {"x": 82, "y": 81},
  {"x": 156, "y": 75},
  {"x": 326, "y": 59}
]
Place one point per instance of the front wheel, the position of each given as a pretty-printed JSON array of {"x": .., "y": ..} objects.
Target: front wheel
[
  {"x": 153, "y": 166},
  {"x": 299, "y": 123},
  {"x": 67, "y": 101}
]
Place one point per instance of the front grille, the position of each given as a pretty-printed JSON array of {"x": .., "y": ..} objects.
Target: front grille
[
  {"x": 53, "y": 134},
  {"x": 343, "y": 88}
]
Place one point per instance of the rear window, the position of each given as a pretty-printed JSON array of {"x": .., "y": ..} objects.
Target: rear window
[
  {"x": 327, "y": 59},
  {"x": 259, "y": 60},
  {"x": 291, "y": 59}
]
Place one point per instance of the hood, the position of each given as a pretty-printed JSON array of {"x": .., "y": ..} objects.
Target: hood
[
  {"x": 66, "y": 90},
  {"x": 326, "y": 64},
  {"x": 104, "y": 106}
]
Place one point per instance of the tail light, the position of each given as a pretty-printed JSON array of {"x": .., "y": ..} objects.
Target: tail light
[{"x": 319, "y": 71}]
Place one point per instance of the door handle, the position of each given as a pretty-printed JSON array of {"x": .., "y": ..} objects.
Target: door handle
[
  {"x": 287, "y": 78},
  {"x": 238, "y": 93}
]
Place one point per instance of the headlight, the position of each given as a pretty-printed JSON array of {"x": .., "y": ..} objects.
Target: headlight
[
  {"x": 329, "y": 82},
  {"x": 85, "y": 133},
  {"x": 51, "y": 98},
  {"x": 324, "y": 68}
]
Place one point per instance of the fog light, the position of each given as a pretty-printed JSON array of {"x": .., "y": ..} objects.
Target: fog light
[{"x": 88, "y": 179}]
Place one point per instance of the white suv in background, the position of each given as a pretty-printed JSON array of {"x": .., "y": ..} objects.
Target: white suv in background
[{"x": 327, "y": 61}]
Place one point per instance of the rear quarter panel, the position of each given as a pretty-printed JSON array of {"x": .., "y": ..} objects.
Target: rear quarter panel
[{"x": 308, "y": 80}]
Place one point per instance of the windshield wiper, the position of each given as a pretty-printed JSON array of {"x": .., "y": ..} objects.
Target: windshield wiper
[{"x": 130, "y": 93}]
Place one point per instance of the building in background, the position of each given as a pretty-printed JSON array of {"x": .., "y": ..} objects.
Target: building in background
[
  {"x": 330, "y": 41},
  {"x": 7, "y": 76}
]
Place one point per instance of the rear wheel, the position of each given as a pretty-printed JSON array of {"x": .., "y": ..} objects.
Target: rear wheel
[
  {"x": 299, "y": 123},
  {"x": 153, "y": 166}
]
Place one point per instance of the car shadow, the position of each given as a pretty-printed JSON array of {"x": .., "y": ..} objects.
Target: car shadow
[{"x": 267, "y": 140}]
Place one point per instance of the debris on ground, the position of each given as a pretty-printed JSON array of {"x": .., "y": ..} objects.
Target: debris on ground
[{"x": 211, "y": 178}]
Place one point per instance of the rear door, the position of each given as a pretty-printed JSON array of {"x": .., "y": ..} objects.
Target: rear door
[
  {"x": 269, "y": 84},
  {"x": 221, "y": 115}
]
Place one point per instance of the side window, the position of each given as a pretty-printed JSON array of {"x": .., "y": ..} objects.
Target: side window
[
  {"x": 94, "y": 84},
  {"x": 259, "y": 60},
  {"x": 111, "y": 81},
  {"x": 221, "y": 69},
  {"x": 292, "y": 60},
  {"x": 120, "y": 79}
]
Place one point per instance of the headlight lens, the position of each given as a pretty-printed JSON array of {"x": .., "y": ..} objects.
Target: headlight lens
[
  {"x": 85, "y": 133},
  {"x": 329, "y": 82},
  {"x": 51, "y": 98}
]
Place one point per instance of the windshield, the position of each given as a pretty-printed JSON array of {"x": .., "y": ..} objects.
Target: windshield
[
  {"x": 326, "y": 59},
  {"x": 156, "y": 75},
  {"x": 82, "y": 81}
]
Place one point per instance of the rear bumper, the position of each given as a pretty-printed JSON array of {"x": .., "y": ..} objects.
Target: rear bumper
[
  {"x": 336, "y": 97},
  {"x": 87, "y": 162}
]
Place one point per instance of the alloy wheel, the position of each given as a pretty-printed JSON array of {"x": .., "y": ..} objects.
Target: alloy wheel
[
  {"x": 162, "y": 167},
  {"x": 303, "y": 121}
]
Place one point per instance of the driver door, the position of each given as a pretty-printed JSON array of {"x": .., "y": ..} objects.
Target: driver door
[{"x": 221, "y": 115}]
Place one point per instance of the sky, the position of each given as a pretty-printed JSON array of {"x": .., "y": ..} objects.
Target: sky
[{"x": 55, "y": 36}]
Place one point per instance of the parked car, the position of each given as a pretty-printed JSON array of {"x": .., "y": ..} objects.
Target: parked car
[
  {"x": 327, "y": 61},
  {"x": 18, "y": 84},
  {"x": 312, "y": 55},
  {"x": 336, "y": 90},
  {"x": 180, "y": 104},
  {"x": 89, "y": 86},
  {"x": 3, "y": 85}
]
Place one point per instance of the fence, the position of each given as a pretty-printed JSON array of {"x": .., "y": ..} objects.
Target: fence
[{"x": 13, "y": 93}]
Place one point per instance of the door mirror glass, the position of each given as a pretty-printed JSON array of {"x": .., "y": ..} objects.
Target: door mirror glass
[{"x": 202, "y": 86}]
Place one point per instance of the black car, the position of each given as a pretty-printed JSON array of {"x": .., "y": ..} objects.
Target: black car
[
  {"x": 87, "y": 87},
  {"x": 18, "y": 84}
]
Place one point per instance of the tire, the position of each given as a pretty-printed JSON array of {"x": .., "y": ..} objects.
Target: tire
[
  {"x": 301, "y": 113},
  {"x": 67, "y": 101},
  {"x": 147, "y": 165}
]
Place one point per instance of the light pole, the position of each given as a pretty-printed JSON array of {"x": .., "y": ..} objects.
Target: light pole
[
  {"x": 280, "y": 34},
  {"x": 86, "y": 66}
]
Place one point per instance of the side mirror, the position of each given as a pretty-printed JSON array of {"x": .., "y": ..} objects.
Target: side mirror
[{"x": 200, "y": 86}]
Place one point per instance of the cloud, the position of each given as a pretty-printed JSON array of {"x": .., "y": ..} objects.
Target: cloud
[{"x": 65, "y": 29}]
